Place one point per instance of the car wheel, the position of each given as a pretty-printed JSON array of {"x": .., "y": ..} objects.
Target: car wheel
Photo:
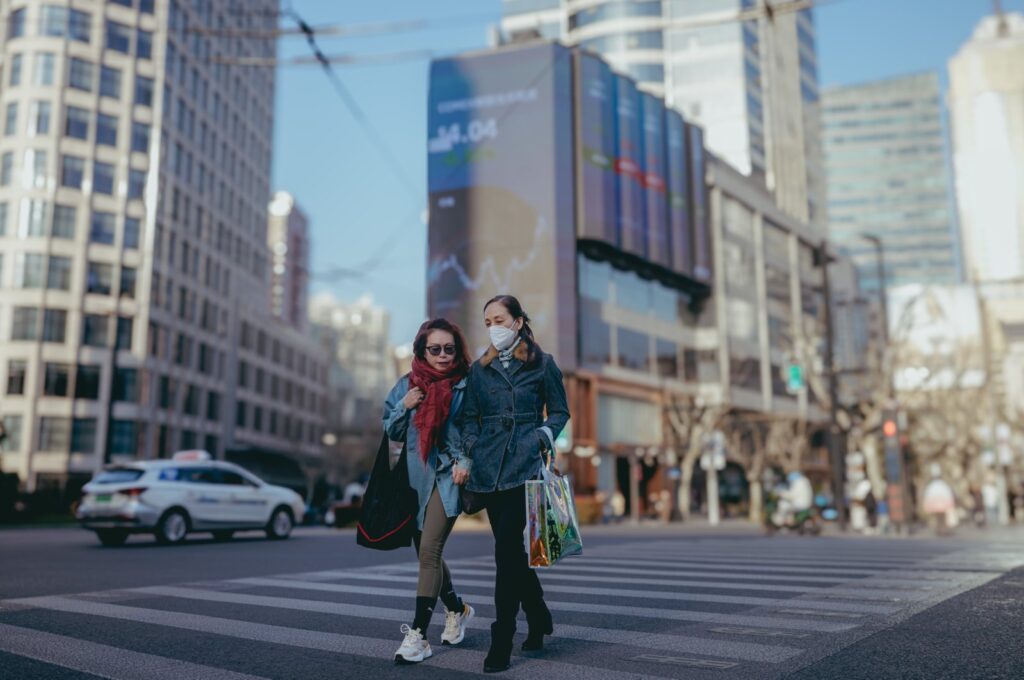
[
  {"x": 223, "y": 535},
  {"x": 172, "y": 527},
  {"x": 112, "y": 537},
  {"x": 280, "y": 525}
]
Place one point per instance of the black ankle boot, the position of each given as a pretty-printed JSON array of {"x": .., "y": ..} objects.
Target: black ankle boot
[
  {"x": 538, "y": 616},
  {"x": 499, "y": 656}
]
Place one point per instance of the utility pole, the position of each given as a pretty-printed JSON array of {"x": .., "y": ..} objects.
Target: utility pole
[
  {"x": 990, "y": 403},
  {"x": 835, "y": 454}
]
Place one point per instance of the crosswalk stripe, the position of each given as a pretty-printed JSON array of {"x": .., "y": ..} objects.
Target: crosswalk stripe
[
  {"x": 676, "y": 643},
  {"x": 103, "y": 660},
  {"x": 697, "y": 556},
  {"x": 337, "y": 643},
  {"x": 633, "y": 579},
  {"x": 788, "y": 623},
  {"x": 571, "y": 590}
]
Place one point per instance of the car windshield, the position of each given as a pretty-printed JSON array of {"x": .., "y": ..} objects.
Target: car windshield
[{"x": 118, "y": 476}]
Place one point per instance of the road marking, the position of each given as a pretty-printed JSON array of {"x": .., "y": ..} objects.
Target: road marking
[
  {"x": 676, "y": 643},
  {"x": 759, "y": 632},
  {"x": 103, "y": 660},
  {"x": 815, "y": 612},
  {"x": 686, "y": 661},
  {"x": 694, "y": 556},
  {"x": 452, "y": 658},
  {"x": 569, "y": 590},
  {"x": 719, "y": 567}
]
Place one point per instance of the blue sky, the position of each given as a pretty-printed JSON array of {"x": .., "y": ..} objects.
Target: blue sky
[{"x": 360, "y": 207}]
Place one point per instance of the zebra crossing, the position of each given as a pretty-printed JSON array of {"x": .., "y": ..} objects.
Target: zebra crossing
[{"x": 704, "y": 608}]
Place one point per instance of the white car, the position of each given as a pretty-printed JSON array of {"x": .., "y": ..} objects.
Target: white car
[{"x": 189, "y": 493}]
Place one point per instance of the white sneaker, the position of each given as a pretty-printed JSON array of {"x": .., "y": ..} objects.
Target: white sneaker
[
  {"x": 455, "y": 625},
  {"x": 414, "y": 648}
]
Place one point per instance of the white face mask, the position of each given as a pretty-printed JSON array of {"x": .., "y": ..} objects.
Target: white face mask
[{"x": 502, "y": 337}]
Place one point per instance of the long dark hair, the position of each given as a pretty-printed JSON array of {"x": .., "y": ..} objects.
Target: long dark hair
[
  {"x": 515, "y": 309},
  {"x": 419, "y": 345}
]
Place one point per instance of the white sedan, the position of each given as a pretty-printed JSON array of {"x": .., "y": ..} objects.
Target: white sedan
[{"x": 171, "y": 498}]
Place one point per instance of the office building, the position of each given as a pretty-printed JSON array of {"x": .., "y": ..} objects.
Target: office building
[
  {"x": 751, "y": 83},
  {"x": 288, "y": 238},
  {"x": 888, "y": 177},
  {"x": 134, "y": 182}
]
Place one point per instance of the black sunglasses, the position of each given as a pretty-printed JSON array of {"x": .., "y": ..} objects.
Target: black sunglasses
[{"x": 435, "y": 350}]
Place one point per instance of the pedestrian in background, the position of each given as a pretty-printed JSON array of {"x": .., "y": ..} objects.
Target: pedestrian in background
[
  {"x": 506, "y": 437},
  {"x": 422, "y": 410},
  {"x": 940, "y": 503}
]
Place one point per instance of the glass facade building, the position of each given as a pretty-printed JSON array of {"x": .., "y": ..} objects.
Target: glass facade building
[{"x": 888, "y": 176}]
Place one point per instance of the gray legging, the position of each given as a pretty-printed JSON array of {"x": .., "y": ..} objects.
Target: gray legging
[{"x": 435, "y": 579}]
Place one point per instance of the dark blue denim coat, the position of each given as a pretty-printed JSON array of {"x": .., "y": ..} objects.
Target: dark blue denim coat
[{"x": 504, "y": 431}]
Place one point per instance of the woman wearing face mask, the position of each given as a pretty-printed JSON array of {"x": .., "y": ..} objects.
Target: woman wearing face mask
[
  {"x": 421, "y": 410},
  {"x": 505, "y": 439}
]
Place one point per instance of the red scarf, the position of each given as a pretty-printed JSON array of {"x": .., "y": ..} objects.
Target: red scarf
[{"x": 432, "y": 413}]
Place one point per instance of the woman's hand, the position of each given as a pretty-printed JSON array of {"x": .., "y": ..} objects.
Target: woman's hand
[
  {"x": 413, "y": 398},
  {"x": 460, "y": 476}
]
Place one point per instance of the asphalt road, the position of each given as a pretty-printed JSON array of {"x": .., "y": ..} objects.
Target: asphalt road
[{"x": 646, "y": 602}]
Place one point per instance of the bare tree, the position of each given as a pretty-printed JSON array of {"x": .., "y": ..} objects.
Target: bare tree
[{"x": 691, "y": 421}]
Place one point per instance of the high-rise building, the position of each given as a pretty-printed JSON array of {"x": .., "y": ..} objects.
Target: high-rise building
[
  {"x": 134, "y": 181},
  {"x": 288, "y": 238},
  {"x": 986, "y": 102},
  {"x": 751, "y": 82},
  {"x": 888, "y": 177}
]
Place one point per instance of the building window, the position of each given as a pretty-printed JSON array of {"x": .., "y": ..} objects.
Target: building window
[
  {"x": 35, "y": 168},
  {"x": 28, "y": 270},
  {"x": 144, "y": 45},
  {"x": 33, "y": 218},
  {"x": 106, "y": 129},
  {"x": 188, "y": 439},
  {"x": 15, "y": 79},
  {"x": 143, "y": 91},
  {"x": 25, "y": 325},
  {"x": 39, "y": 119},
  {"x": 212, "y": 406},
  {"x": 122, "y": 437},
  {"x": 12, "y": 425},
  {"x": 146, "y": 6},
  {"x": 103, "y": 178},
  {"x": 80, "y": 74},
  {"x": 192, "y": 400},
  {"x": 211, "y": 444},
  {"x": 110, "y": 82},
  {"x": 60, "y": 22},
  {"x": 131, "y": 232},
  {"x": 99, "y": 278},
  {"x": 257, "y": 418},
  {"x": 53, "y": 433},
  {"x": 63, "y": 221},
  {"x": 240, "y": 414},
  {"x": 95, "y": 330},
  {"x": 55, "y": 379},
  {"x": 42, "y": 74},
  {"x": 124, "y": 332},
  {"x": 140, "y": 137},
  {"x": 3, "y": 218},
  {"x": 136, "y": 183},
  {"x": 58, "y": 276},
  {"x": 54, "y": 325},
  {"x": 126, "y": 385},
  {"x": 16, "y": 24},
  {"x": 87, "y": 382},
  {"x": 167, "y": 392},
  {"x": 128, "y": 277},
  {"x": 119, "y": 37},
  {"x": 102, "y": 228},
  {"x": 16, "y": 372},
  {"x": 72, "y": 171},
  {"x": 11, "y": 119},
  {"x": 6, "y": 168},
  {"x": 83, "y": 435}
]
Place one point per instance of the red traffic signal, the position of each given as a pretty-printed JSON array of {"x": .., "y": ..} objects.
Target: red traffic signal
[{"x": 889, "y": 428}]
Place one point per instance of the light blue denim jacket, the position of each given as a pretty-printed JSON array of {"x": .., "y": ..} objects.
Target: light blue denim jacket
[{"x": 399, "y": 425}]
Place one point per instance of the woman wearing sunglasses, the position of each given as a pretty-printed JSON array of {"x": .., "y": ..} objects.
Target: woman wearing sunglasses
[
  {"x": 421, "y": 411},
  {"x": 506, "y": 432}
]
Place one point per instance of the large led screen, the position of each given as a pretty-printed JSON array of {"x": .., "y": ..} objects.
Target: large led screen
[
  {"x": 629, "y": 167},
  {"x": 656, "y": 203},
  {"x": 595, "y": 147},
  {"x": 681, "y": 237},
  {"x": 500, "y": 178}
]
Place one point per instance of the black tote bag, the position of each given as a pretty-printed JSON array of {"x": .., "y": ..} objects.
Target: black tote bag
[{"x": 387, "y": 519}]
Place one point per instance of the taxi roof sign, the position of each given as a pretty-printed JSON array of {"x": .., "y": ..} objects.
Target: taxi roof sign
[{"x": 192, "y": 454}]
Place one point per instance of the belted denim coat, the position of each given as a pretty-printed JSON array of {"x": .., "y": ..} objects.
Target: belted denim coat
[
  {"x": 504, "y": 429},
  {"x": 399, "y": 425}
]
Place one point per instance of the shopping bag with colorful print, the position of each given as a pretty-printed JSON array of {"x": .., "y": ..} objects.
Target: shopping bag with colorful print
[{"x": 552, "y": 527}]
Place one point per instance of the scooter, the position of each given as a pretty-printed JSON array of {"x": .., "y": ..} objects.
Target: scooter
[{"x": 803, "y": 521}]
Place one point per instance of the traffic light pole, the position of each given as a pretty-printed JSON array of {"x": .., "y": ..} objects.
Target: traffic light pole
[{"x": 835, "y": 455}]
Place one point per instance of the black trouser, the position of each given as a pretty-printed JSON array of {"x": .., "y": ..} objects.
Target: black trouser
[{"x": 514, "y": 582}]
